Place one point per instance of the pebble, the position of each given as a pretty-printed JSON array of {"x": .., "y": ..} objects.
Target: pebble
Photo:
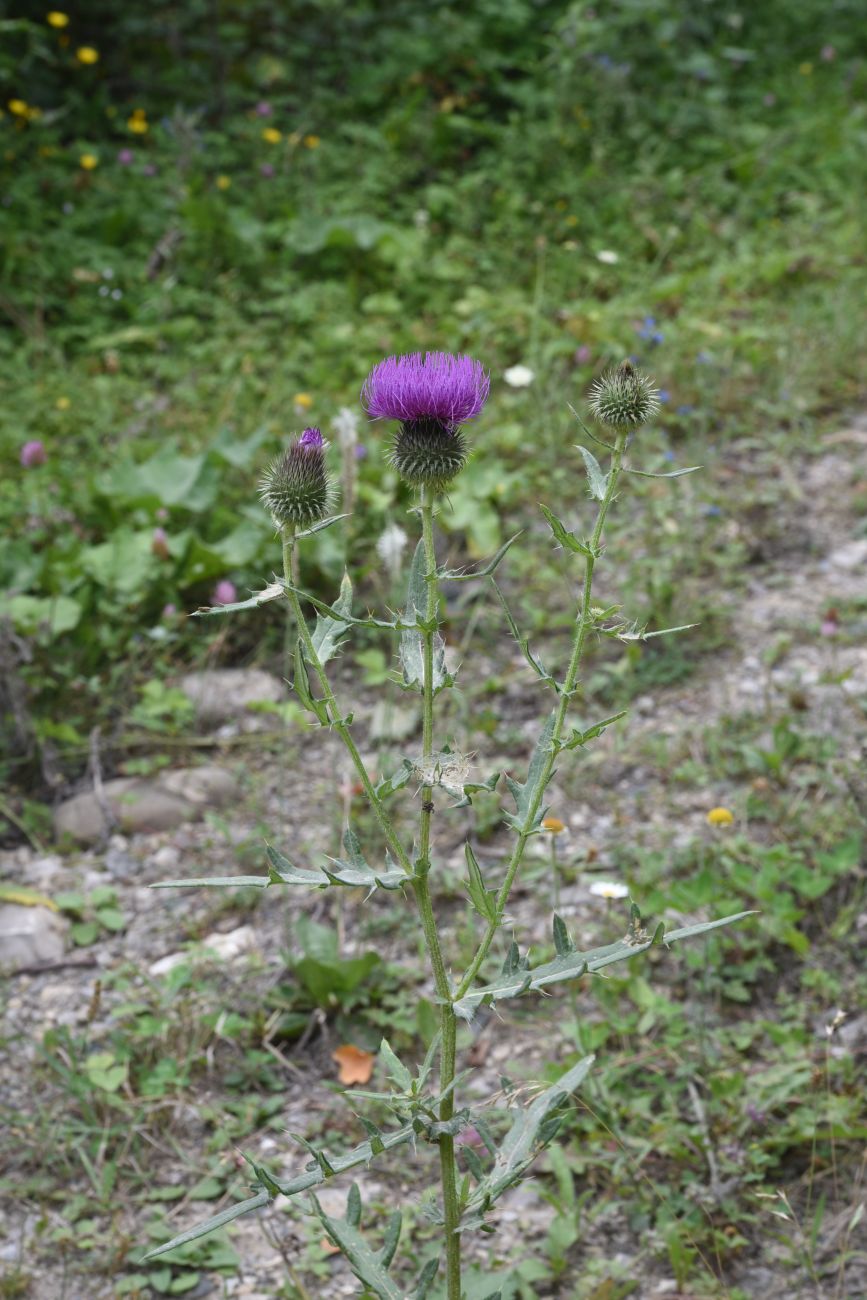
[
  {"x": 156, "y": 804},
  {"x": 30, "y": 936}
]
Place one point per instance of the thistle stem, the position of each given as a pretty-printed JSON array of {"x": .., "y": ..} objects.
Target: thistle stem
[
  {"x": 336, "y": 719},
  {"x": 584, "y": 623},
  {"x": 448, "y": 1023}
]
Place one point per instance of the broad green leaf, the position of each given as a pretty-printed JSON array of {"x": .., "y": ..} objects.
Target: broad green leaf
[
  {"x": 411, "y": 650},
  {"x": 598, "y": 481},
  {"x": 37, "y": 614},
  {"x": 328, "y": 631},
  {"x": 513, "y": 982},
  {"x": 562, "y": 941},
  {"x": 567, "y": 539}
]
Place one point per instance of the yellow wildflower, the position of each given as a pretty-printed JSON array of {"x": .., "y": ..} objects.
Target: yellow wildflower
[
  {"x": 19, "y": 107},
  {"x": 312, "y": 141},
  {"x": 63, "y": 403},
  {"x": 87, "y": 54},
  {"x": 805, "y": 69},
  {"x": 720, "y": 817},
  {"x": 271, "y": 135},
  {"x": 554, "y": 825},
  {"x": 139, "y": 125},
  {"x": 304, "y": 400},
  {"x": 57, "y": 19},
  {"x": 88, "y": 161},
  {"x": 223, "y": 182}
]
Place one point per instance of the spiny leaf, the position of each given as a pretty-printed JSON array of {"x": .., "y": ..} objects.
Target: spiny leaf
[
  {"x": 528, "y": 792},
  {"x": 523, "y": 641},
  {"x": 578, "y": 737},
  {"x": 562, "y": 941},
  {"x": 211, "y": 1225},
  {"x": 363, "y": 1260},
  {"x": 598, "y": 482},
  {"x": 672, "y": 473},
  {"x": 527, "y": 1136},
  {"x": 483, "y": 899},
  {"x": 271, "y": 592},
  {"x": 514, "y": 981},
  {"x": 456, "y": 575},
  {"x": 328, "y": 631},
  {"x": 567, "y": 539},
  {"x": 395, "y": 1067}
]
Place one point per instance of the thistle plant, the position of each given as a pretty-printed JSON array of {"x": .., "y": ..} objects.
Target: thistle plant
[{"x": 431, "y": 397}]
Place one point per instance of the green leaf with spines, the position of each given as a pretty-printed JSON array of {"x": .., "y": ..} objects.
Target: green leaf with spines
[
  {"x": 516, "y": 980},
  {"x": 457, "y": 575},
  {"x": 211, "y": 1225},
  {"x": 567, "y": 539},
  {"x": 528, "y": 792},
  {"x": 365, "y": 1262},
  {"x": 483, "y": 900},
  {"x": 411, "y": 649},
  {"x": 328, "y": 631},
  {"x": 562, "y": 940},
  {"x": 577, "y": 737},
  {"x": 672, "y": 473},
  {"x": 531, "y": 1130},
  {"x": 597, "y": 481},
  {"x": 395, "y": 1068},
  {"x": 523, "y": 642},
  {"x": 272, "y": 592},
  {"x": 301, "y": 684}
]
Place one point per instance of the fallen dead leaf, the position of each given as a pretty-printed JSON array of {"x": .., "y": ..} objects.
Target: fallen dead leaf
[{"x": 355, "y": 1065}]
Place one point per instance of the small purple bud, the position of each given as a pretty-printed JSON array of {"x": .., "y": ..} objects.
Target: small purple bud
[
  {"x": 263, "y": 108},
  {"x": 267, "y": 170},
  {"x": 33, "y": 453},
  {"x": 162, "y": 514},
  {"x": 663, "y": 395},
  {"x": 169, "y": 611},
  {"x": 360, "y": 451},
  {"x": 827, "y": 54},
  {"x": 126, "y": 157},
  {"x": 310, "y": 438},
  {"x": 583, "y": 354},
  {"x": 225, "y": 593},
  {"x": 149, "y": 170}
]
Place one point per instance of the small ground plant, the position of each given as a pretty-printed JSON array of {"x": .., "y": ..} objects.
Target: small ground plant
[{"x": 431, "y": 397}]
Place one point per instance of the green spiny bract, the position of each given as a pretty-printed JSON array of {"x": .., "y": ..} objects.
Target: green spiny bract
[
  {"x": 295, "y": 487},
  {"x": 624, "y": 398},
  {"x": 428, "y": 453}
]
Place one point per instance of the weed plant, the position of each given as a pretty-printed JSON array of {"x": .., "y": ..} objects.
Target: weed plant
[{"x": 431, "y": 397}]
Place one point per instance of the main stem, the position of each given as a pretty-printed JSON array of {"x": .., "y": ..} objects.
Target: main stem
[
  {"x": 337, "y": 722},
  {"x": 448, "y": 1022},
  {"x": 567, "y": 690}
]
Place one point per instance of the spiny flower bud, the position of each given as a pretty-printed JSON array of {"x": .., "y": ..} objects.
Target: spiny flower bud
[
  {"x": 427, "y": 452},
  {"x": 431, "y": 394},
  {"x": 624, "y": 398},
  {"x": 295, "y": 487}
]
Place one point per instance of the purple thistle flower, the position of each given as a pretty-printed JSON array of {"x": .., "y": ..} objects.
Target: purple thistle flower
[
  {"x": 310, "y": 438},
  {"x": 33, "y": 453},
  {"x": 435, "y": 386},
  {"x": 125, "y": 157},
  {"x": 263, "y": 108},
  {"x": 225, "y": 593}
]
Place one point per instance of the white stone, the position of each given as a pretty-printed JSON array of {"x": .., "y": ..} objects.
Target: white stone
[
  {"x": 30, "y": 936},
  {"x": 227, "y": 947},
  {"x": 851, "y": 556},
  {"x": 221, "y": 694}
]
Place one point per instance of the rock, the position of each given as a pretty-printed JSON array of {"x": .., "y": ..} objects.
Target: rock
[
  {"x": 851, "y": 556},
  {"x": 30, "y": 936},
  {"x": 227, "y": 947},
  {"x": 166, "y": 858},
  {"x": 220, "y": 694},
  {"x": 138, "y": 804},
  {"x": 41, "y": 873}
]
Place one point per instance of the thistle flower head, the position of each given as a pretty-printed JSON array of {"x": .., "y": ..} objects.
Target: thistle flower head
[
  {"x": 32, "y": 453},
  {"x": 624, "y": 398},
  {"x": 431, "y": 394},
  {"x": 295, "y": 487},
  {"x": 435, "y": 386}
]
